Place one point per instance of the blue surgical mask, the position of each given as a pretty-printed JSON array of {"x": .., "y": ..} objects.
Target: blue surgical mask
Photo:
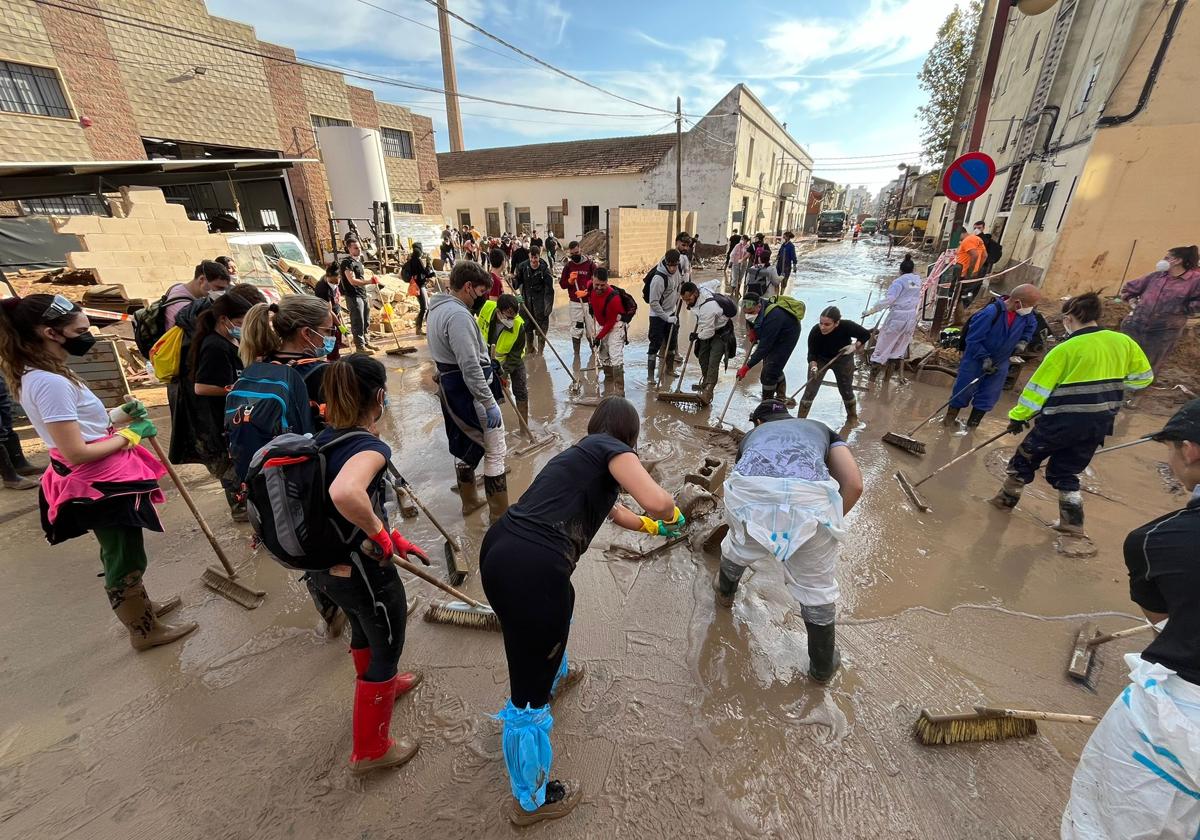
[
  {"x": 235, "y": 333},
  {"x": 328, "y": 345}
]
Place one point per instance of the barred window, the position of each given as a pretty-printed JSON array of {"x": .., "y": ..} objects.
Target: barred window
[
  {"x": 397, "y": 143},
  {"x": 401, "y": 207},
  {"x": 319, "y": 121},
  {"x": 32, "y": 90},
  {"x": 68, "y": 205}
]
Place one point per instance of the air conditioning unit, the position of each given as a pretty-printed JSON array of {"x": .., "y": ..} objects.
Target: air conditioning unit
[{"x": 1030, "y": 194}]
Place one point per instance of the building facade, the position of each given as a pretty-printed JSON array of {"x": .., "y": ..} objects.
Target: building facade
[
  {"x": 1090, "y": 108},
  {"x": 98, "y": 80},
  {"x": 741, "y": 171}
]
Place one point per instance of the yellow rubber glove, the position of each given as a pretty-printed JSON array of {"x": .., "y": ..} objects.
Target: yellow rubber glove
[
  {"x": 650, "y": 526},
  {"x": 130, "y": 435}
]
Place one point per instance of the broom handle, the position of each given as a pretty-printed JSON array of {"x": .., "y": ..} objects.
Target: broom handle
[
  {"x": 942, "y": 406},
  {"x": 1120, "y": 634},
  {"x": 820, "y": 374},
  {"x": 1026, "y": 714},
  {"x": 440, "y": 584},
  {"x": 392, "y": 326},
  {"x": 416, "y": 501},
  {"x": 1126, "y": 443},
  {"x": 966, "y": 454},
  {"x": 513, "y": 402},
  {"x": 666, "y": 351},
  {"x": 733, "y": 388},
  {"x": 687, "y": 358},
  {"x": 187, "y": 499},
  {"x": 541, "y": 332}
]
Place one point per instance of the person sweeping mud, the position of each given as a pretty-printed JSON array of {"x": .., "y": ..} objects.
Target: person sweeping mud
[
  {"x": 504, "y": 331},
  {"x": 470, "y": 393},
  {"x": 526, "y": 563},
  {"x": 533, "y": 282},
  {"x": 605, "y": 308},
  {"x": 577, "y": 280},
  {"x": 713, "y": 336},
  {"x": 902, "y": 299},
  {"x": 361, "y": 578},
  {"x": 774, "y": 331},
  {"x": 1075, "y": 394},
  {"x": 662, "y": 293},
  {"x": 994, "y": 333},
  {"x": 793, "y": 482},
  {"x": 1139, "y": 774},
  {"x": 100, "y": 479},
  {"x": 826, "y": 341}
]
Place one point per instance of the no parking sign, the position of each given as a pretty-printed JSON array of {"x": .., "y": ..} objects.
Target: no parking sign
[{"x": 968, "y": 177}]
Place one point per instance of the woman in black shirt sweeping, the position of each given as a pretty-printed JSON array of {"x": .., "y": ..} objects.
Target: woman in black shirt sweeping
[
  {"x": 526, "y": 563},
  {"x": 829, "y": 337}
]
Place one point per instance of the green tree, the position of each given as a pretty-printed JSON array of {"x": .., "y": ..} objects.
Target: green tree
[{"x": 942, "y": 76}]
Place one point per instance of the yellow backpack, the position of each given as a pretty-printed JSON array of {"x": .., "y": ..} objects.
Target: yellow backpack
[{"x": 164, "y": 355}]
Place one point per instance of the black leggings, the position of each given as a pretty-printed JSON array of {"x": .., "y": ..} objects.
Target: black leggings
[
  {"x": 421, "y": 304},
  {"x": 843, "y": 372},
  {"x": 529, "y": 587},
  {"x": 377, "y": 623}
]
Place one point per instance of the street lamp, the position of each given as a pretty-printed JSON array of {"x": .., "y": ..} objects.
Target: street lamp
[{"x": 899, "y": 201}]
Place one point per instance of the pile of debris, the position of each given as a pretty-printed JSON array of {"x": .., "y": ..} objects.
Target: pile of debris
[{"x": 594, "y": 244}]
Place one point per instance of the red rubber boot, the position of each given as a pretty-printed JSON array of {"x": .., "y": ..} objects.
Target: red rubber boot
[
  {"x": 374, "y": 748},
  {"x": 405, "y": 682}
]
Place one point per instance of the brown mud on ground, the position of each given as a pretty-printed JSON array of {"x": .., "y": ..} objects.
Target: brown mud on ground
[{"x": 692, "y": 721}]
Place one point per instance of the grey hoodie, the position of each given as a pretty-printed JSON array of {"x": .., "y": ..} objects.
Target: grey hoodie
[
  {"x": 454, "y": 339},
  {"x": 664, "y": 291}
]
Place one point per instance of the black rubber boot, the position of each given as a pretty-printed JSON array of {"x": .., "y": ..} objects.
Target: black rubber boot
[
  {"x": 1010, "y": 493},
  {"x": 725, "y": 587},
  {"x": 975, "y": 419},
  {"x": 1070, "y": 513},
  {"x": 12, "y": 479},
  {"x": 651, "y": 364},
  {"x": 951, "y": 416},
  {"x": 823, "y": 656}
]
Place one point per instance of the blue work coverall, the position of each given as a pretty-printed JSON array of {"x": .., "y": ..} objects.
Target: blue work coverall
[{"x": 989, "y": 337}]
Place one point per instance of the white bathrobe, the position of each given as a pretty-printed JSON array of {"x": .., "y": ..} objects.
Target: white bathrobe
[{"x": 902, "y": 300}]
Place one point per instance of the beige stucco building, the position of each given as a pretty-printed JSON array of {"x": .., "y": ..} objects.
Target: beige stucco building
[{"x": 1090, "y": 127}]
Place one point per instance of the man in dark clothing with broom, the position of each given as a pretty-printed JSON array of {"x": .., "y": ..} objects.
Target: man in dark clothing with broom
[
  {"x": 774, "y": 327},
  {"x": 536, "y": 286},
  {"x": 1139, "y": 774}
]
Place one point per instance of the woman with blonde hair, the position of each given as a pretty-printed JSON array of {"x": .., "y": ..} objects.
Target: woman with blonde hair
[{"x": 100, "y": 479}]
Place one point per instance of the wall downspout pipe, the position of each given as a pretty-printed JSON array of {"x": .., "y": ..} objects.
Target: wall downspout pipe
[{"x": 1152, "y": 76}]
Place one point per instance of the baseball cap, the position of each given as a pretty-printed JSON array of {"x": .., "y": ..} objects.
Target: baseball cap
[
  {"x": 769, "y": 409},
  {"x": 1183, "y": 425}
]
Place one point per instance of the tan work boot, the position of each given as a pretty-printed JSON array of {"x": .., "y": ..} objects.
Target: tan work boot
[
  {"x": 566, "y": 794},
  {"x": 951, "y": 417},
  {"x": 134, "y": 609},
  {"x": 496, "y": 488},
  {"x": 468, "y": 493}
]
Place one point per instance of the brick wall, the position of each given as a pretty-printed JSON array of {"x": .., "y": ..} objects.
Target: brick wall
[
  {"x": 639, "y": 238},
  {"x": 326, "y": 93},
  {"x": 90, "y": 69},
  {"x": 403, "y": 173},
  {"x": 151, "y": 247},
  {"x": 363, "y": 111},
  {"x": 427, "y": 169}
]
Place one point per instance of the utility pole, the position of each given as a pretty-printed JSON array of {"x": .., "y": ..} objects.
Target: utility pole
[
  {"x": 899, "y": 203},
  {"x": 679, "y": 163},
  {"x": 450, "y": 79}
]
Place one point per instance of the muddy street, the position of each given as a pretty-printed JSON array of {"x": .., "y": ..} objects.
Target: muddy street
[{"x": 692, "y": 721}]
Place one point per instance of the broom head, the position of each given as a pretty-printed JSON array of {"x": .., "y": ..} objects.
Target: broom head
[
  {"x": 1083, "y": 653},
  {"x": 680, "y": 397},
  {"x": 935, "y": 727},
  {"x": 911, "y": 492},
  {"x": 462, "y": 614},
  {"x": 909, "y": 444},
  {"x": 236, "y": 591}
]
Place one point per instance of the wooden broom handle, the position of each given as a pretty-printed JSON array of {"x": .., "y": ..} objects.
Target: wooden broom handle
[
  {"x": 440, "y": 584},
  {"x": 1025, "y": 714},
  {"x": 1121, "y": 634}
]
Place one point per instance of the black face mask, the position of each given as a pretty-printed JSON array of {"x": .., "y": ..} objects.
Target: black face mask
[
  {"x": 477, "y": 306},
  {"x": 80, "y": 345},
  {"x": 576, "y": 257}
]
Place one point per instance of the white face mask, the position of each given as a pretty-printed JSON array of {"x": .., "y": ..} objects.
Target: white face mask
[
  {"x": 213, "y": 294},
  {"x": 507, "y": 324},
  {"x": 1025, "y": 310},
  {"x": 1162, "y": 265}
]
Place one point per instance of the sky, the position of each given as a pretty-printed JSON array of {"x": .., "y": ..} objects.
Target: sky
[{"x": 840, "y": 73}]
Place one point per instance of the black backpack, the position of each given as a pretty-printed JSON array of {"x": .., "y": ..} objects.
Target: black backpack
[
  {"x": 646, "y": 281},
  {"x": 629, "y": 306},
  {"x": 288, "y": 504},
  {"x": 728, "y": 305},
  {"x": 150, "y": 323}
]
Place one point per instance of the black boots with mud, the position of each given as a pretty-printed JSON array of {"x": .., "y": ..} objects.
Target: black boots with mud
[
  {"x": 13, "y": 479},
  {"x": 975, "y": 419},
  {"x": 496, "y": 488},
  {"x": 851, "y": 412},
  {"x": 1010, "y": 493},
  {"x": 467, "y": 491},
  {"x": 706, "y": 394},
  {"x": 823, "y": 656},
  {"x": 1070, "y": 513},
  {"x": 134, "y": 609},
  {"x": 618, "y": 380},
  {"x": 651, "y": 364},
  {"x": 561, "y": 798},
  {"x": 951, "y": 416},
  {"x": 781, "y": 394},
  {"x": 725, "y": 587},
  {"x": 374, "y": 748}
]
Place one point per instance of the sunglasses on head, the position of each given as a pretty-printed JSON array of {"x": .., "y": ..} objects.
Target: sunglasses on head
[{"x": 58, "y": 307}]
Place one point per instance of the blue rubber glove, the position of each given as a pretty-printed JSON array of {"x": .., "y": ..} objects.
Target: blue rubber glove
[{"x": 494, "y": 420}]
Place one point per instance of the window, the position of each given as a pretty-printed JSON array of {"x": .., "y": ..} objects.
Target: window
[
  {"x": 1087, "y": 88},
  {"x": 492, "y": 217},
  {"x": 524, "y": 221},
  {"x": 750, "y": 158},
  {"x": 1039, "y": 217},
  {"x": 401, "y": 207},
  {"x": 319, "y": 121},
  {"x": 554, "y": 221},
  {"x": 1010, "y": 190},
  {"x": 464, "y": 218},
  {"x": 1066, "y": 203},
  {"x": 666, "y": 206},
  {"x": 591, "y": 217},
  {"x": 1032, "y": 51},
  {"x": 269, "y": 219},
  {"x": 71, "y": 205},
  {"x": 32, "y": 90},
  {"x": 397, "y": 143}
]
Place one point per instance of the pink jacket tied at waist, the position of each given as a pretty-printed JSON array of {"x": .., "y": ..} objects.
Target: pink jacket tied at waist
[
  {"x": 126, "y": 465},
  {"x": 1164, "y": 301}
]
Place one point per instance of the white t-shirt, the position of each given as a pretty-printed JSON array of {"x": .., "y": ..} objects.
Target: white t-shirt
[{"x": 49, "y": 398}]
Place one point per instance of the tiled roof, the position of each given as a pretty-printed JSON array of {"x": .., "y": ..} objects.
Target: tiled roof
[{"x": 608, "y": 156}]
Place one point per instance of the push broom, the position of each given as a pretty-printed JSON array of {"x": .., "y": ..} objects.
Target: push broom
[
  {"x": 909, "y": 442},
  {"x": 534, "y": 443},
  {"x": 728, "y": 401},
  {"x": 456, "y": 565},
  {"x": 910, "y": 488},
  {"x": 389, "y": 313},
  {"x": 986, "y": 723},
  {"x": 464, "y": 612},
  {"x": 678, "y": 395},
  {"x": 1083, "y": 654}
]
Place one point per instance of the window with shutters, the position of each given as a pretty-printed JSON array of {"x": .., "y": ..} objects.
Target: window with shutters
[
  {"x": 1039, "y": 217},
  {"x": 25, "y": 89},
  {"x": 397, "y": 143},
  {"x": 1010, "y": 190}
]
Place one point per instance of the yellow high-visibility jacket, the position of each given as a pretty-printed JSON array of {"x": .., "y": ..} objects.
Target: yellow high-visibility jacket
[{"x": 1087, "y": 374}]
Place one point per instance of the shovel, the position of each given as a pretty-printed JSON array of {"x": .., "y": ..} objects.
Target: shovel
[
  {"x": 457, "y": 569},
  {"x": 910, "y": 488}
]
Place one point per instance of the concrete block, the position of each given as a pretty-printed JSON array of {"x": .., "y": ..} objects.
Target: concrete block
[
  {"x": 104, "y": 242},
  {"x": 120, "y": 227},
  {"x": 116, "y": 206},
  {"x": 710, "y": 475},
  {"x": 143, "y": 195},
  {"x": 145, "y": 242},
  {"x": 119, "y": 277},
  {"x": 177, "y": 243},
  {"x": 217, "y": 244},
  {"x": 163, "y": 276},
  {"x": 131, "y": 259},
  {"x": 170, "y": 212},
  {"x": 157, "y": 227},
  {"x": 90, "y": 259},
  {"x": 76, "y": 224},
  {"x": 190, "y": 228}
]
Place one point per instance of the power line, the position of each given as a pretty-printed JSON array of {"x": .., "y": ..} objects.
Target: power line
[
  {"x": 867, "y": 157},
  {"x": 163, "y": 29},
  {"x": 387, "y": 11}
]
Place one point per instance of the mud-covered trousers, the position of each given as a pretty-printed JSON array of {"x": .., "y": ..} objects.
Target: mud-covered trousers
[
  {"x": 843, "y": 372},
  {"x": 529, "y": 587},
  {"x": 374, "y": 602},
  {"x": 1066, "y": 442}
]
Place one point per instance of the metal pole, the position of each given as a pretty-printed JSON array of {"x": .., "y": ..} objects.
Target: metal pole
[{"x": 679, "y": 163}]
